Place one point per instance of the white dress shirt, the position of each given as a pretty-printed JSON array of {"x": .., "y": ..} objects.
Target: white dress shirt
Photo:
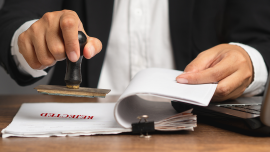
[{"x": 139, "y": 39}]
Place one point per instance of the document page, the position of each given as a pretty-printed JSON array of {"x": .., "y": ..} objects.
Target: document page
[
  {"x": 64, "y": 118},
  {"x": 162, "y": 82}
]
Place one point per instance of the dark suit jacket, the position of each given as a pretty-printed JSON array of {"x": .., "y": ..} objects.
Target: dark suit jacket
[{"x": 194, "y": 27}]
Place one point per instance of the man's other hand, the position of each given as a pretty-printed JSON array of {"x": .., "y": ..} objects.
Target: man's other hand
[
  {"x": 53, "y": 36},
  {"x": 229, "y": 65}
]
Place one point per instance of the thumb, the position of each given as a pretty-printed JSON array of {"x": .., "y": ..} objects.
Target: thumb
[
  {"x": 216, "y": 72},
  {"x": 92, "y": 47},
  {"x": 202, "y": 62}
]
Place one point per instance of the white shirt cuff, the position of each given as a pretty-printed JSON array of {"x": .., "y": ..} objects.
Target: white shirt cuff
[
  {"x": 260, "y": 71},
  {"x": 18, "y": 57}
]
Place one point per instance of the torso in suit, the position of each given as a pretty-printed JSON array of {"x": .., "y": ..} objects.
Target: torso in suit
[{"x": 194, "y": 27}]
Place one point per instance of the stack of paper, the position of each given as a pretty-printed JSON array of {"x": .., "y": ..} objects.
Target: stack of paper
[
  {"x": 75, "y": 119},
  {"x": 182, "y": 121}
]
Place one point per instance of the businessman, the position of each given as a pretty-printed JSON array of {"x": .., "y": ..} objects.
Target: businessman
[{"x": 224, "y": 41}]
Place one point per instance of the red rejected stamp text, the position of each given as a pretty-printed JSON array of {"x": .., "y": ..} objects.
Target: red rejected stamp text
[{"x": 66, "y": 116}]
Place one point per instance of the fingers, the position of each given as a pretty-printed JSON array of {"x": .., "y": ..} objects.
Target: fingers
[
  {"x": 231, "y": 87},
  {"x": 232, "y": 95},
  {"x": 53, "y": 37},
  {"x": 43, "y": 54},
  {"x": 40, "y": 46},
  {"x": 92, "y": 47},
  {"x": 27, "y": 50},
  {"x": 55, "y": 44},
  {"x": 213, "y": 74},
  {"x": 69, "y": 23}
]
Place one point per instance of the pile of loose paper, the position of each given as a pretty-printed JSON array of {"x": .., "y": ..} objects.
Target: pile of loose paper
[{"x": 75, "y": 119}]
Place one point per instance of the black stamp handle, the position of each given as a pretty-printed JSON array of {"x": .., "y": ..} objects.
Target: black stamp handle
[{"x": 73, "y": 77}]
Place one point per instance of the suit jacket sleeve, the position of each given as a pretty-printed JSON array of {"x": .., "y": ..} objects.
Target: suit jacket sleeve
[
  {"x": 13, "y": 14},
  {"x": 248, "y": 22}
]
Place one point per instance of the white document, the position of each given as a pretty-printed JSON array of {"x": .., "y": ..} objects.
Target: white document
[
  {"x": 58, "y": 119},
  {"x": 160, "y": 83}
]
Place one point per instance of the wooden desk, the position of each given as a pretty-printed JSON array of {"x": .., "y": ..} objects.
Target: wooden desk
[{"x": 204, "y": 138}]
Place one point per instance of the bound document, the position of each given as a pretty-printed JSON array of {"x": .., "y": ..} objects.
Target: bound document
[
  {"x": 149, "y": 93},
  {"x": 160, "y": 83}
]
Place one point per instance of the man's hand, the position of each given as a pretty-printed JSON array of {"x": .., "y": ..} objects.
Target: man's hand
[
  {"x": 52, "y": 37},
  {"x": 229, "y": 65}
]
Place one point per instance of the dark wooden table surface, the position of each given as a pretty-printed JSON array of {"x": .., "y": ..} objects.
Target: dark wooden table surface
[{"x": 204, "y": 138}]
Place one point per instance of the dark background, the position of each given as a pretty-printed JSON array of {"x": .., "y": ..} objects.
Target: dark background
[{"x": 9, "y": 86}]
